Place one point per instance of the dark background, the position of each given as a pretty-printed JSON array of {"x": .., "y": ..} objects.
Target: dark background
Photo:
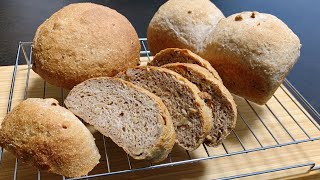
[{"x": 19, "y": 20}]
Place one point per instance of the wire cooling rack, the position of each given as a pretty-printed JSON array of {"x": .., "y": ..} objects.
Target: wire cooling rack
[{"x": 256, "y": 139}]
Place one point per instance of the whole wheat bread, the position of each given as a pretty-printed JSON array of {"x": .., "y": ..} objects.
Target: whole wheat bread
[
  {"x": 134, "y": 118},
  {"x": 175, "y": 55},
  {"x": 216, "y": 96},
  {"x": 182, "y": 24},
  {"x": 190, "y": 115},
  {"x": 82, "y": 41},
  {"x": 48, "y": 136},
  {"x": 253, "y": 53}
]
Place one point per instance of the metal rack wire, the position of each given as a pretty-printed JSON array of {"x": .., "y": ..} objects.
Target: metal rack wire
[{"x": 25, "y": 51}]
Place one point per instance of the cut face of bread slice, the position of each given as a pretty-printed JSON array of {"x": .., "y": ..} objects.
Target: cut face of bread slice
[
  {"x": 48, "y": 136},
  {"x": 216, "y": 96},
  {"x": 191, "y": 117},
  {"x": 134, "y": 118},
  {"x": 176, "y": 55}
]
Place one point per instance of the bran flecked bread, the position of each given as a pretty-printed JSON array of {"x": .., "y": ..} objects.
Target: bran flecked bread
[
  {"x": 191, "y": 117},
  {"x": 176, "y": 55},
  {"x": 182, "y": 24},
  {"x": 134, "y": 118},
  {"x": 217, "y": 97},
  {"x": 82, "y": 41},
  {"x": 48, "y": 136},
  {"x": 253, "y": 52}
]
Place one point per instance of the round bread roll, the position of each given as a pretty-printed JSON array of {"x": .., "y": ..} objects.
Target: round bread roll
[
  {"x": 82, "y": 41},
  {"x": 182, "y": 24},
  {"x": 253, "y": 53},
  {"x": 48, "y": 136}
]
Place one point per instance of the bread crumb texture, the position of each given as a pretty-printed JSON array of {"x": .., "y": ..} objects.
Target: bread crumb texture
[{"x": 134, "y": 118}]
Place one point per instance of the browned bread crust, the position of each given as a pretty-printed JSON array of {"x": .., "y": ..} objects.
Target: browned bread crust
[
  {"x": 253, "y": 53},
  {"x": 82, "y": 41},
  {"x": 48, "y": 136},
  {"x": 182, "y": 24},
  {"x": 176, "y": 55}
]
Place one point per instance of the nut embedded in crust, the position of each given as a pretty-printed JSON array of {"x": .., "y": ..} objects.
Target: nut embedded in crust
[{"x": 238, "y": 18}]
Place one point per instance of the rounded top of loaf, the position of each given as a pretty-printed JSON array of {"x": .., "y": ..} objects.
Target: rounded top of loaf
[
  {"x": 182, "y": 24},
  {"x": 82, "y": 41},
  {"x": 253, "y": 53},
  {"x": 40, "y": 132},
  {"x": 260, "y": 40}
]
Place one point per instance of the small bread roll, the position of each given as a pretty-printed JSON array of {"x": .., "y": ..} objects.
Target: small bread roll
[
  {"x": 182, "y": 24},
  {"x": 253, "y": 53},
  {"x": 82, "y": 41},
  {"x": 50, "y": 137}
]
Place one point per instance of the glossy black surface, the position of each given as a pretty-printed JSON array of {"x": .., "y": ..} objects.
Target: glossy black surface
[{"x": 19, "y": 20}]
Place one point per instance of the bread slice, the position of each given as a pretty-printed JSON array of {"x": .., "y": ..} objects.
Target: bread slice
[
  {"x": 216, "y": 96},
  {"x": 191, "y": 117},
  {"x": 134, "y": 118},
  {"x": 176, "y": 55},
  {"x": 48, "y": 136}
]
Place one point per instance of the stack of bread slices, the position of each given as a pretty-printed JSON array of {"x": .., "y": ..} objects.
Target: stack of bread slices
[{"x": 191, "y": 100}]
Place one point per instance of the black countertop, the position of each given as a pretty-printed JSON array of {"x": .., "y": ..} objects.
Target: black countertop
[{"x": 19, "y": 20}]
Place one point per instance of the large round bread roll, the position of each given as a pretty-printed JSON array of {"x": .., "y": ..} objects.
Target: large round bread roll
[
  {"x": 50, "y": 137},
  {"x": 81, "y": 41},
  {"x": 253, "y": 53},
  {"x": 182, "y": 24}
]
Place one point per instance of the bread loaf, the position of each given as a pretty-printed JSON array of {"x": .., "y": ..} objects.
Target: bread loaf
[
  {"x": 217, "y": 97},
  {"x": 176, "y": 55},
  {"x": 82, "y": 41},
  {"x": 134, "y": 118},
  {"x": 253, "y": 53},
  {"x": 191, "y": 117},
  {"x": 182, "y": 24},
  {"x": 48, "y": 136}
]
